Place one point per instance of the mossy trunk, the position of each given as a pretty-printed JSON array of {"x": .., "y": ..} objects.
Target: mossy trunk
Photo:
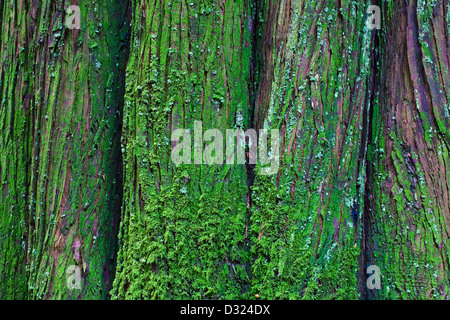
[
  {"x": 183, "y": 231},
  {"x": 195, "y": 231},
  {"x": 315, "y": 58},
  {"x": 407, "y": 203},
  {"x": 331, "y": 86},
  {"x": 61, "y": 94},
  {"x": 363, "y": 177}
]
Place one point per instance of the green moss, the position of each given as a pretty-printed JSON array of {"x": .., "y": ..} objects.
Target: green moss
[{"x": 60, "y": 147}]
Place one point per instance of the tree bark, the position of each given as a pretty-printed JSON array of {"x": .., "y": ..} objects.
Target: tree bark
[
  {"x": 315, "y": 58},
  {"x": 407, "y": 213},
  {"x": 363, "y": 176},
  {"x": 183, "y": 226},
  {"x": 61, "y": 115}
]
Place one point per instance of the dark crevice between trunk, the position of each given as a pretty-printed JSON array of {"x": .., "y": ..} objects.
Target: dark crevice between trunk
[
  {"x": 255, "y": 67},
  {"x": 124, "y": 52},
  {"x": 367, "y": 139}
]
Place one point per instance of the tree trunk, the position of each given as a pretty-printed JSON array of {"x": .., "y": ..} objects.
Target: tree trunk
[
  {"x": 407, "y": 202},
  {"x": 363, "y": 175},
  {"x": 183, "y": 226},
  {"x": 315, "y": 58},
  {"x": 61, "y": 113}
]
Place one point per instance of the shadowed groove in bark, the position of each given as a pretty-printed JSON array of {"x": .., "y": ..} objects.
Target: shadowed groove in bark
[
  {"x": 255, "y": 27},
  {"x": 367, "y": 138}
]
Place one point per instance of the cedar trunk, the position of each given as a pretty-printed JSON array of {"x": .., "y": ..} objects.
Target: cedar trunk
[
  {"x": 60, "y": 117},
  {"x": 364, "y": 170}
]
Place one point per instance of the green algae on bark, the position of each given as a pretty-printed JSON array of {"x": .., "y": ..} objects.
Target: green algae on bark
[
  {"x": 315, "y": 60},
  {"x": 407, "y": 209},
  {"x": 364, "y": 170},
  {"x": 182, "y": 232},
  {"x": 60, "y": 120},
  {"x": 193, "y": 231},
  {"x": 337, "y": 204}
]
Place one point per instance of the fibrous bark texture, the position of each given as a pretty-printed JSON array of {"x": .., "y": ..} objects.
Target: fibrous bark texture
[
  {"x": 363, "y": 175},
  {"x": 61, "y": 94},
  {"x": 183, "y": 227},
  {"x": 406, "y": 219}
]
